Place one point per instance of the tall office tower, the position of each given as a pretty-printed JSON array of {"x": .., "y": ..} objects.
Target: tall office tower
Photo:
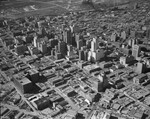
[
  {"x": 81, "y": 55},
  {"x": 79, "y": 44},
  {"x": 95, "y": 54},
  {"x": 114, "y": 37},
  {"x": 134, "y": 42},
  {"x": 136, "y": 51},
  {"x": 53, "y": 52},
  {"x": 33, "y": 75},
  {"x": 98, "y": 54},
  {"x": 88, "y": 44},
  {"x": 70, "y": 50},
  {"x": 141, "y": 67},
  {"x": 86, "y": 55},
  {"x": 35, "y": 40},
  {"x": 24, "y": 85},
  {"x": 53, "y": 42},
  {"x": 67, "y": 36},
  {"x": 100, "y": 83},
  {"x": 42, "y": 47},
  {"x": 123, "y": 35},
  {"x": 93, "y": 47},
  {"x": 56, "y": 48},
  {"x": 104, "y": 80},
  {"x": 62, "y": 48},
  {"x": 130, "y": 42},
  {"x": 96, "y": 43},
  {"x": 77, "y": 37},
  {"x": 128, "y": 32}
]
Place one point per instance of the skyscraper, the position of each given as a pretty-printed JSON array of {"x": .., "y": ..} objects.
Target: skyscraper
[
  {"x": 67, "y": 36},
  {"x": 35, "y": 40},
  {"x": 81, "y": 55},
  {"x": 86, "y": 55},
  {"x": 141, "y": 67},
  {"x": 77, "y": 37},
  {"x": 114, "y": 37},
  {"x": 95, "y": 53},
  {"x": 70, "y": 50},
  {"x": 62, "y": 48},
  {"x": 43, "y": 47},
  {"x": 136, "y": 51},
  {"x": 79, "y": 44}
]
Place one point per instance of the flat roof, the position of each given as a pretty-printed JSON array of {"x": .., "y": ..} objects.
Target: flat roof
[{"x": 24, "y": 81}]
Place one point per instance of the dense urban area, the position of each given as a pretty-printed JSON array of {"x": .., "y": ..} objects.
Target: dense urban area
[{"x": 80, "y": 64}]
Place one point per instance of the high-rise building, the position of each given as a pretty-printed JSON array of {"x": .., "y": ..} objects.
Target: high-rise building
[
  {"x": 53, "y": 52},
  {"x": 24, "y": 85},
  {"x": 95, "y": 54},
  {"x": 126, "y": 60},
  {"x": 130, "y": 42},
  {"x": 86, "y": 55},
  {"x": 114, "y": 37},
  {"x": 94, "y": 44},
  {"x": 81, "y": 55},
  {"x": 42, "y": 47},
  {"x": 77, "y": 37},
  {"x": 123, "y": 35},
  {"x": 79, "y": 44},
  {"x": 102, "y": 77},
  {"x": 67, "y": 36},
  {"x": 141, "y": 67},
  {"x": 35, "y": 40},
  {"x": 62, "y": 48},
  {"x": 70, "y": 50},
  {"x": 98, "y": 54},
  {"x": 33, "y": 75},
  {"x": 136, "y": 51},
  {"x": 88, "y": 44},
  {"x": 53, "y": 43}
]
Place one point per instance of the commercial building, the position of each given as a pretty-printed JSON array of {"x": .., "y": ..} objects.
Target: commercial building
[
  {"x": 33, "y": 75},
  {"x": 136, "y": 51},
  {"x": 42, "y": 46},
  {"x": 24, "y": 85},
  {"x": 140, "y": 78},
  {"x": 141, "y": 67},
  {"x": 95, "y": 54},
  {"x": 42, "y": 103},
  {"x": 62, "y": 48},
  {"x": 79, "y": 44},
  {"x": 67, "y": 36},
  {"x": 81, "y": 55}
]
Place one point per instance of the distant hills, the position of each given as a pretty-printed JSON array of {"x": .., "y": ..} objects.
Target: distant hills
[{"x": 114, "y": 2}]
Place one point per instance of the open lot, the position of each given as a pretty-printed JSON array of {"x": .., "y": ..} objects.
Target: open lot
[{"x": 21, "y": 8}]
